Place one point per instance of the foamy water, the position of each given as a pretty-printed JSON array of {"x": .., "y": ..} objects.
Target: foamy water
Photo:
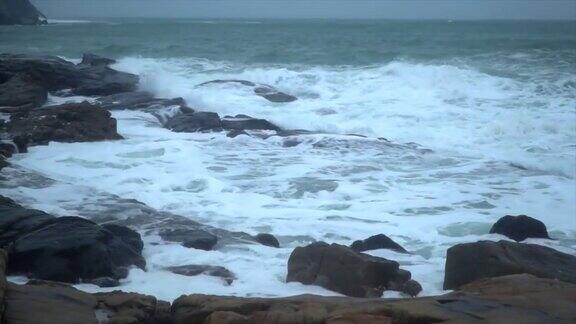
[
  {"x": 485, "y": 148},
  {"x": 479, "y": 126}
]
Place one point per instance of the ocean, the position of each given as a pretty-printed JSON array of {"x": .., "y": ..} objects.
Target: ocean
[{"x": 480, "y": 118}]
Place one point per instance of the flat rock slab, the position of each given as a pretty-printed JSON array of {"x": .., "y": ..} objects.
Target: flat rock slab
[
  {"x": 191, "y": 270},
  {"x": 265, "y": 91}
]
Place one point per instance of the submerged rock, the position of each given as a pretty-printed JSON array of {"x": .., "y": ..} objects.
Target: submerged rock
[
  {"x": 20, "y": 12},
  {"x": 190, "y": 238},
  {"x": 263, "y": 90},
  {"x": 70, "y": 249},
  {"x": 376, "y": 242},
  {"x": 191, "y": 270},
  {"x": 341, "y": 269},
  {"x": 268, "y": 240},
  {"x": 520, "y": 228},
  {"x": 243, "y": 123},
  {"x": 76, "y": 122},
  {"x": 468, "y": 262},
  {"x": 137, "y": 100}
]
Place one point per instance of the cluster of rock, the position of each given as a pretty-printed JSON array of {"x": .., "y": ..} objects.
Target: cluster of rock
[{"x": 488, "y": 276}]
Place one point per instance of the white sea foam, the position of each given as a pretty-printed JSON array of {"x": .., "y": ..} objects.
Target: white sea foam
[{"x": 498, "y": 148}]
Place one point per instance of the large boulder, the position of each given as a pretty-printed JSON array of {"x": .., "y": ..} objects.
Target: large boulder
[
  {"x": 376, "y": 242},
  {"x": 468, "y": 262},
  {"x": 17, "y": 220},
  {"x": 341, "y": 269},
  {"x": 70, "y": 249},
  {"x": 20, "y": 12},
  {"x": 76, "y": 122},
  {"x": 58, "y": 74},
  {"x": 520, "y": 228},
  {"x": 23, "y": 91},
  {"x": 263, "y": 90},
  {"x": 128, "y": 235}
]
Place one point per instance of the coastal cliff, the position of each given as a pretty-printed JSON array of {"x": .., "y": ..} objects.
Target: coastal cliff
[{"x": 20, "y": 12}]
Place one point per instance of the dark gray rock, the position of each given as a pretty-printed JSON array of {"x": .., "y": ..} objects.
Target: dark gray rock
[
  {"x": 263, "y": 90},
  {"x": 23, "y": 91},
  {"x": 102, "y": 81},
  {"x": 77, "y": 122},
  {"x": 341, "y": 269},
  {"x": 96, "y": 60},
  {"x": 137, "y": 100},
  {"x": 235, "y": 133},
  {"x": 20, "y": 12},
  {"x": 190, "y": 238},
  {"x": 468, "y": 262},
  {"x": 191, "y": 270},
  {"x": 195, "y": 122},
  {"x": 58, "y": 74},
  {"x": 243, "y": 122},
  {"x": 376, "y": 242},
  {"x": 16, "y": 220},
  {"x": 520, "y": 228},
  {"x": 128, "y": 235},
  {"x": 70, "y": 249},
  {"x": 268, "y": 240}
]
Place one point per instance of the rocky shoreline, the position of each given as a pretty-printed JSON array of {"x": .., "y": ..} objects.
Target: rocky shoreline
[{"x": 503, "y": 281}]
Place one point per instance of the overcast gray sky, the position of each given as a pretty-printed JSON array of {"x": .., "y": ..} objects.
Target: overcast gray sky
[{"x": 395, "y": 9}]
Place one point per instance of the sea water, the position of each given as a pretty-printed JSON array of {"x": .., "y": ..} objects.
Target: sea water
[{"x": 479, "y": 120}]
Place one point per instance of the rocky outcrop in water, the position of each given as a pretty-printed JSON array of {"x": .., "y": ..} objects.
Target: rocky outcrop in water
[
  {"x": 468, "y": 262},
  {"x": 268, "y": 240},
  {"x": 22, "y": 91},
  {"x": 190, "y": 238},
  {"x": 341, "y": 269},
  {"x": 376, "y": 242},
  {"x": 20, "y": 12},
  {"x": 208, "y": 121},
  {"x": 58, "y": 74},
  {"x": 520, "y": 228},
  {"x": 78, "y": 122},
  {"x": 191, "y": 270},
  {"x": 263, "y": 90}
]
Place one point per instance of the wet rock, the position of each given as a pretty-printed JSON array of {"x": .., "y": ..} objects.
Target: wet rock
[
  {"x": 17, "y": 220},
  {"x": 121, "y": 307},
  {"x": 77, "y": 122},
  {"x": 102, "y": 81},
  {"x": 22, "y": 91},
  {"x": 7, "y": 149},
  {"x": 235, "y": 133},
  {"x": 195, "y": 122},
  {"x": 263, "y": 90},
  {"x": 96, "y": 60},
  {"x": 191, "y": 270},
  {"x": 520, "y": 228},
  {"x": 58, "y": 74},
  {"x": 468, "y": 262},
  {"x": 128, "y": 235},
  {"x": 376, "y": 242},
  {"x": 190, "y": 238},
  {"x": 70, "y": 249},
  {"x": 20, "y": 12},
  {"x": 137, "y": 100},
  {"x": 341, "y": 269},
  {"x": 268, "y": 240},
  {"x": 243, "y": 122}
]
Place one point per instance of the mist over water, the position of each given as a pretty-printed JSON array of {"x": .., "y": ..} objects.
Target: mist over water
[{"x": 481, "y": 119}]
